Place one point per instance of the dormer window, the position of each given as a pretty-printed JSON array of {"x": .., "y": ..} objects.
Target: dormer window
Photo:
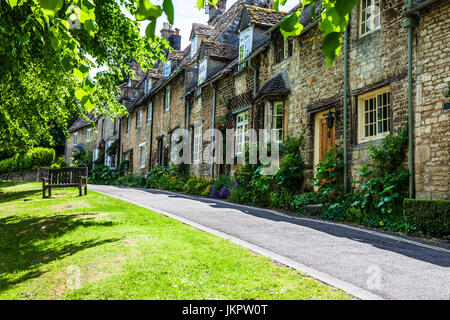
[
  {"x": 194, "y": 46},
  {"x": 147, "y": 85},
  {"x": 202, "y": 69},
  {"x": 245, "y": 43},
  {"x": 167, "y": 68}
]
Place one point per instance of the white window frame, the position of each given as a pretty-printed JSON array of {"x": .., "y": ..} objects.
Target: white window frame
[
  {"x": 275, "y": 115},
  {"x": 197, "y": 143},
  {"x": 138, "y": 119},
  {"x": 167, "y": 100},
  {"x": 147, "y": 85},
  {"x": 75, "y": 138},
  {"x": 167, "y": 68},
  {"x": 88, "y": 135},
  {"x": 95, "y": 155},
  {"x": 241, "y": 138},
  {"x": 150, "y": 112},
  {"x": 202, "y": 71},
  {"x": 194, "y": 46},
  {"x": 378, "y": 114},
  {"x": 372, "y": 9},
  {"x": 142, "y": 150},
  {"x": 245, "y": 44}
]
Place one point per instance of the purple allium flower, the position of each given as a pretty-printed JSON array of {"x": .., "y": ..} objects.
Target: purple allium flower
[
  {"x": 223, "y": 193},
  {"x": 212, "y": 192}
]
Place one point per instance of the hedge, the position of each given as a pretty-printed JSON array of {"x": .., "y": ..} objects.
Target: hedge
[
  {"x": 429, "y": 216},
  {"x": 34, "y": 158}
]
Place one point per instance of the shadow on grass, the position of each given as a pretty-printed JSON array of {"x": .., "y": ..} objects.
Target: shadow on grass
[
  {"x": 27, "y": 243},
  {"x": 19, "y": 195}
]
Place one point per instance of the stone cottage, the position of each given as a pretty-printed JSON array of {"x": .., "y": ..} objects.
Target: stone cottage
[{"x": 240, "y": 73}]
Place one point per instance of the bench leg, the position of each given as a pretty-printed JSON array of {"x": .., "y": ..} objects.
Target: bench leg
[{"x": 85, "y": 189}]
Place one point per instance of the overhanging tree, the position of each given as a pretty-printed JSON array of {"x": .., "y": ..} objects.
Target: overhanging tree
[{"x": 50, "y": 46}]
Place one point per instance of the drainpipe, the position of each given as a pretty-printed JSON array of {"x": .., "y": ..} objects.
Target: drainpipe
[
  {"x": 213, "y": 127},
  {"x": 151, "y": 136},
  {"x": 410, "y": 23},
  {"x": 345, "y": 108}
]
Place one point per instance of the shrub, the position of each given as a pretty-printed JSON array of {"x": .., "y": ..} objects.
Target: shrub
[
  {"x": 430, "y": 216},
  {"x": 384, "y": 177},
  {"x": 124, "y": 166},
  {"x": 282, "y": 199},
  {"x": 334, "y": 211},
  {"x": 40, "y": 157},
  {"x": 239, "y": 194},
  {"x": 60, "y": 161},
  {"x": 304, "y": 199},
  {"x": 222, "y": 187},
  {"x": 198, "y": 186},
  {"x": 102, "y": 175},
  {"x": 328, "y": 176},
  {"x": 291, "y": 173},
  {"x": 132, "y": 180}
]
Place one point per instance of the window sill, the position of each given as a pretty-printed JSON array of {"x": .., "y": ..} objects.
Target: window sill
[
  {"x": 282, "y": 62},
  {"x": 367, "y": 143},
  {"x": 367, "y": 35}
]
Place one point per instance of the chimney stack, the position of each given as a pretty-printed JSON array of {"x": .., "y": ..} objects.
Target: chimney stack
[
  {"x": 167, "y": 30},
  {"x": 175, "y": 40}
]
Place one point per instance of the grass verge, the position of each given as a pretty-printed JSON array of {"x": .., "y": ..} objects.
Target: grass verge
[{"x": 98, "y": 247}]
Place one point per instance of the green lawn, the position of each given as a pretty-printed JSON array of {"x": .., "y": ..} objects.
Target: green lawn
[{"x": 97, "y": 247}]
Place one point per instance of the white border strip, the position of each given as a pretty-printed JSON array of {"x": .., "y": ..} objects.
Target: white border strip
[{"x": 328, "y": 279}]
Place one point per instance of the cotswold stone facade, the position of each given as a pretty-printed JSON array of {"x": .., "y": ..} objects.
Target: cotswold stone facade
[
  {"x": 432, "y": 120},
  {"x": 239, "y": 72}
]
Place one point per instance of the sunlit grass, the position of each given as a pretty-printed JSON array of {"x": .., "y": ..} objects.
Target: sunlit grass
[{"x": 98, "y": 247}]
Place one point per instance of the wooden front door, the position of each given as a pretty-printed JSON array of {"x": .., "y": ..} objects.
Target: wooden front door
[{"x": 326, "y": 138}]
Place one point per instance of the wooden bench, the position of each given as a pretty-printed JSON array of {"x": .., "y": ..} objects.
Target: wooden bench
[{"x": 65, "y": 178}]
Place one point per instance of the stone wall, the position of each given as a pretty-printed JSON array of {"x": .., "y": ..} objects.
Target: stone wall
[{"x": 432, "y": 122}]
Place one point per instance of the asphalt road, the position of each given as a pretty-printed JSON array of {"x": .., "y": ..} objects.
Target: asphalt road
[{"x": 390, "y": 267}]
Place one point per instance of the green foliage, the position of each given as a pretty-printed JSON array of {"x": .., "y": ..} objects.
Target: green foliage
[
  {"x": 41, "y": 157},
  {"x": 131, "y": 180},
  {"x": 301, "y": 200},
  {"x": 171, "y": 178},
  {"x": 102, "y": 175},
  {"x": 198, "y": 186},
  {"x": 34, "y": 158},
  {"x": 239, "y": 195},
  {"x": 333, "y": 21},
  {"x": 60, "y": 161},
  {"x": 275, "y": 190},
  {"x": 429, "y": 216},
  {"x": 384, "y": 178},
  {"x": 47, "y": 62},
  {"x": 124, "y": 166},
  {"x": 291, "y": 173},
  {"x": 328, "y": 176},
  {"x": 82, "y": 159},
  {"x": 282, "y": 199}
]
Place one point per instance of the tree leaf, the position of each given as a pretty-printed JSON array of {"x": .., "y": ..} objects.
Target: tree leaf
[
  {"x": 50, "y": 7},
  {"x": 146, "y": 10},
  {"x": 168, "y": 9}
]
